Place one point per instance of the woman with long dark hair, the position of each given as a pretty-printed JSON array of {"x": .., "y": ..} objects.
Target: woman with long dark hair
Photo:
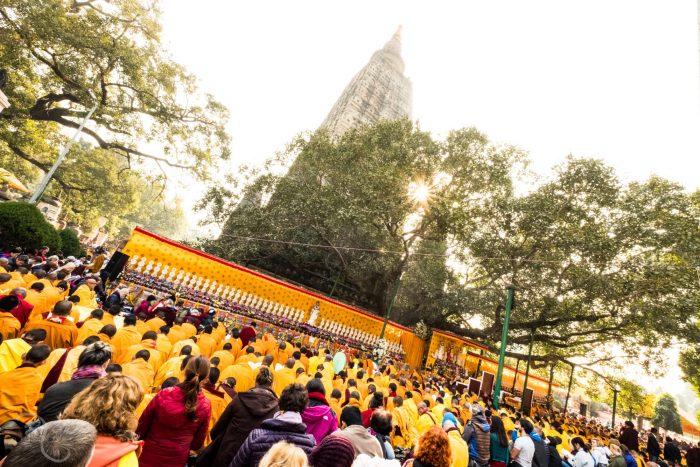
[
  {"x": 583, "y": 457},
  {"x": 177, "y": 419},
  {"x": 499, "y": 443}
]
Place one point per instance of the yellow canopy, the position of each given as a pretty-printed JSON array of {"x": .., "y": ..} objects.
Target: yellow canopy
[{"x": 9, "y": 179}]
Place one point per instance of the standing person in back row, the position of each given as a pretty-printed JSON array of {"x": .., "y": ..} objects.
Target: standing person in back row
[
  {"x": 630, "y": 437},
  {"x": 176, "y": 420},
  {"x": 523, "y": 448},
  {"x": 653, "y": 448},
  {"x": 478, "y": 437}
]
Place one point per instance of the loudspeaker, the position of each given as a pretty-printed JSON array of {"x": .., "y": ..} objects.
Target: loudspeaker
[{"x": 115, "y": 265}]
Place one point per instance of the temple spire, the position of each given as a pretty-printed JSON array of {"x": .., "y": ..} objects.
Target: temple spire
[{"x": 394, "y": 44}]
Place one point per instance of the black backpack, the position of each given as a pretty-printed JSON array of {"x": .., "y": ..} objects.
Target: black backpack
[{"x": 541, "y": 457}]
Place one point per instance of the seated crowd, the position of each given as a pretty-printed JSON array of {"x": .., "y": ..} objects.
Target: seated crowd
[{"x": 138, "y": 382}]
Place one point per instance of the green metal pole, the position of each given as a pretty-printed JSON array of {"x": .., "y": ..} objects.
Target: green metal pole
[
  {"x": 391, "y": 305},
  {"x": 502, "y": 352},
  {"x": 568, "y": 391},
  {"x": 527, "y": 368},
  {"x": 615, "y": 391}
]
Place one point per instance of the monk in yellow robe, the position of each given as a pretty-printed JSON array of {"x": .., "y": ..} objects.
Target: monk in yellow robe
[
  {"x": 163, "y": 344},
  {"x": 39, "y": 301},
  {"x": 284, "y": 377},
  {"x": 87, "y": 294},
  {"x": 125, "y": 338},
  {"x": 171, "y": 368},
  {"x": 156, "y": 359},
  {"x": 425, "y": 419},
  {"x": 8, "y": 282},
  {"x": 12, "y": 350},
  {"x": 458, "y": 447},
  {"x": 236, "y": 346},
  {"x": 140, "y": 370},
  {"x": 302, "y": 378},
  {"x": 242, "y": 373},
  {"x": 189, "y": 329},
  {"x": 206, "y": 342},
  {"x": 249, "y": 356},
  {"x": 225, "y": 357},
  {"x": 154, "y": 324},
  {"x": 218, "y": 399},
  {"x": 176, "y": 334},
  {"x": 21, "y": 387},
  {"x": 410, "y": 407},
  {"x": 70, "y": 359},
  {"x": 60, "y": 331},
  {"x": 438, "y": 410},
  {"x": 190, "y": 342},
  {"x": 9, "y": 325},
  {"x": 91, "y": 326},
  {"x": 335, "y": 403},
  {"x": 404, "y": 434}
]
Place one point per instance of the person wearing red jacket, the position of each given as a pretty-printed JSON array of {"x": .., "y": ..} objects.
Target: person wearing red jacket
[{"x": 247, "y": 333}]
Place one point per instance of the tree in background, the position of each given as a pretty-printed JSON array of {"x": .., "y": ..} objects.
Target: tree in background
[
  {"x": 70, "y": 245},
  {"x": 666, "y": 414},
  {"x": 595, "y": 262},
  {"x": 64, "y": 57},
  {"x": 23, "y": 225}
]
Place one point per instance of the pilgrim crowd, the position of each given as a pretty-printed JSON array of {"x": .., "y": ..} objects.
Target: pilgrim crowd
[{"x": 92, "y": 375}]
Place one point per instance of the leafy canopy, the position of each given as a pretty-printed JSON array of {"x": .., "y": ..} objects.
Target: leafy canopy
[
  {"x": 666, "y": 414},
  {"x": 23, "y": 225},
  {"x": 600, "y": 267}
]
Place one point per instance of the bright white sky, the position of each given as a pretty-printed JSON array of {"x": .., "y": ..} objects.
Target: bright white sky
[{"x": 613, "y": 80}]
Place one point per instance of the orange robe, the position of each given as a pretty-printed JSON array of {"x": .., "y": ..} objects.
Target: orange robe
[
  {"x": 87, "y": 296},
  {"x": 168, "y": 369},
  {"x": 9, "y": 326},
  {"x": 19, "y": 394},
  {"x": 141, "y": 371},
  {"x": 244, "y": 375},
  {"x": 177, "y": 347},
  {"x": 155, "y": 360},
  {"x": 69, "y": 366},
  {"x": 225, "y": 358},
  {"x": 122, "y": 340},
  {"x": 163, "y": 345},
  {"x": 154, "y": 324},
  {"x": 58, "y": 335},
  {"x": 282, "y": 379},
  {"x": 176, "y": 335},
  {"x": 219, "y": 401},
  {"x": 11, "y": 352},
  {"x": 91, "y": 327},
  {"x": 206, "y": 344},
  {"x": 189, "y": 329}
]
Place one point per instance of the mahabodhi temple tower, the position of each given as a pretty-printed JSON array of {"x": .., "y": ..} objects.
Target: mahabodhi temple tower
[{"x": 380, "y": 91}]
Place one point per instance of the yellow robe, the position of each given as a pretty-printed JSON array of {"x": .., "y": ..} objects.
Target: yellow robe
[
  {"x": 283, "y": 378},
  {"x": 58, "y": 335},
  {"x": 19, "y": 394},
  {"x": 218, "y": 404},
  {"x": 225, "y": 359},
  {"x": 408, "y": 434},
  {"x": 236, "y": 346},
  {"x": 11, "y": 352},
  {"x": 176, "y": 334},
  {"x": 9, "y": 326},
  {"x": 336, "y": 406},
  {"x": 91, "y": 327},
  {"x": 425, "y": 421},
  {"x": 459, "y": 448},
  {"x": 438, "y": 412},
  {"x": 141, "y": 371},
  {"x": 244, "y": 375},
  {"x": 207, "y": 344},
  {"x": 154, "y": 324},
  {"x": 168, "y": 369},
  {"x": 87, "y": 296},
  {"x": 69, "y": 366},
  {"x": 147, "y": 398},
  {"x": 122, "y": 340},
  {"x": 40, "y": 303},
  {"x": 412, "y": 410},
  {"x": 177, "y": 347},
  {"x": 155, "y": 360},
  {"x": 163, "y": 345},
  {"x": 302, "y": 379},
  {"x": 189, "y": 329}
]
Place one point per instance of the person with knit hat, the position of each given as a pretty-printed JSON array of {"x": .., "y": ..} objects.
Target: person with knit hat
[{"x": 333, "y": 451}]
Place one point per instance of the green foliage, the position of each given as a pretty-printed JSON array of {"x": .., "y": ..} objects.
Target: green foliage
[
  {"x": 595, "y": 262},
  {"x": 70, "y": 245},
  {"x": 22, "y": 224},
  {"x": 689, "y": 361},
  {"x": 157, "y": 215},
  {"x": 666, "y": 414},
  {"x": 63, "y": 57}
]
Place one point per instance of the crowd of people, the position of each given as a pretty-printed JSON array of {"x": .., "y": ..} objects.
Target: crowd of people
[{"x": 97, "y": 375}]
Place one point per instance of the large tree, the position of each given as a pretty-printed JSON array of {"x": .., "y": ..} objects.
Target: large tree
[
  {"x": 600, "y": 267},
  {"x": 65, "y": 56},
  {"x": 666, "y": 414}
]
